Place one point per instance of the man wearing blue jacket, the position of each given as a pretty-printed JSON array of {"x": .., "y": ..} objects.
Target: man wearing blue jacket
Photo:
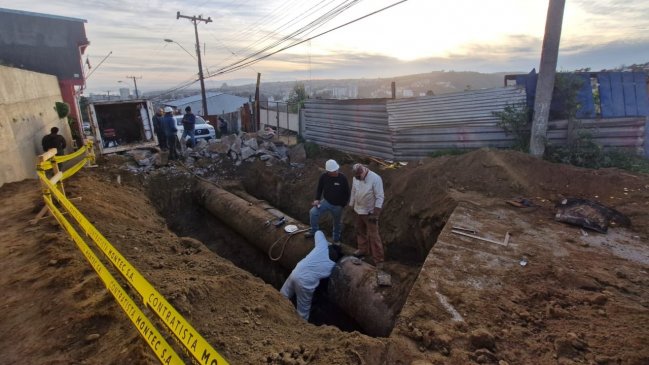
[
  {"x": 306, "y": 276},
  {"x": 169, "y": 127}
]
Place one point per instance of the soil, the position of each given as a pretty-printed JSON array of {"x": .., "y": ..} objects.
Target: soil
[{"x": 591, "y": 306}]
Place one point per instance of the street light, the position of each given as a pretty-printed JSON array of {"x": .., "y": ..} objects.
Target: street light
[{"x": 179, "y": 45}]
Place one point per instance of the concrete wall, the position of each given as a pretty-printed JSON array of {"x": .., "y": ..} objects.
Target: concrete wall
[{"x": 27, "y": 113}]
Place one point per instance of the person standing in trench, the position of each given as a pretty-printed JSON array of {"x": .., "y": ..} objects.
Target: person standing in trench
[{"x": 367, "y": 200}]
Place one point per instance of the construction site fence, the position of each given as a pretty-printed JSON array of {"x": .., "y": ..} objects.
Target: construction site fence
[
  {"x": 191, "y": 342},
  {"x": 412, "y": 128}
]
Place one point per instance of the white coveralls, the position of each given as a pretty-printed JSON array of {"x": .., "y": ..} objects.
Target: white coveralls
[{"x": 307, "y": 275}]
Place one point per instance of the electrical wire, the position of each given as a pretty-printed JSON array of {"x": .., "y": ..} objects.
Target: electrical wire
[{"x": 235, "y": 67}]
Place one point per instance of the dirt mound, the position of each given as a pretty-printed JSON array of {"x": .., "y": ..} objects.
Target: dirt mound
[{"x": 56, "y": 310}]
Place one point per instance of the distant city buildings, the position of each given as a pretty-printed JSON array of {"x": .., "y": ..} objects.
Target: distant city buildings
[{"x": 124, "y": 93}]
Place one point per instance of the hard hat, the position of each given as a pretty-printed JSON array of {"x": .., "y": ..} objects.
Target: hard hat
[
  {"x": 331, "y": 166},
  {"x": 168, "y": 109}
]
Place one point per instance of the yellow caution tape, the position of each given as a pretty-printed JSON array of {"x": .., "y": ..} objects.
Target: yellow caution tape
[
  {"x": 186, "y": 335},
  {"x": 87, "y": 148},
  {"x": 153, "y": 338}
]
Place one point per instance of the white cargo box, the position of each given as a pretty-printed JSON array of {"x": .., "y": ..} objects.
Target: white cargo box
[{"x": 123, "y": 125}]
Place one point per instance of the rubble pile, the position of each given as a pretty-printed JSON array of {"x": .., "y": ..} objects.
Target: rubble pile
[{"x": 207, "y": 156}]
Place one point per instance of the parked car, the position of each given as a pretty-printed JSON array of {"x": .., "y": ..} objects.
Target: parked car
[{"x": 202, "y": 130}]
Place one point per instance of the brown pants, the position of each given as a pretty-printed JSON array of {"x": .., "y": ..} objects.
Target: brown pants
[{"x": 367, "y": 237}]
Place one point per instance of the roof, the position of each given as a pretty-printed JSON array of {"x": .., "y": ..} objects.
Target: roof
[
  {"x": 217, "y": 103},
  {"x": 22, "y": 12}
]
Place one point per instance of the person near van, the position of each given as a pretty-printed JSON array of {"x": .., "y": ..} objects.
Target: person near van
[
  {"x": 189, "y": 122},
  {"x": 159, "y": 131},
  {"x": 54, "y": 140},
  {"x": 367, "y": 200},
  {"x": 223, "y": 127},
  {"x": 331, "y": 196},
  {"x": 306, "y": 275},
  {"x": 169, "y": 128}
]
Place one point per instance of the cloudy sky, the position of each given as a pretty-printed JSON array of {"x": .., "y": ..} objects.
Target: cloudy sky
[{"x": 413, "y": 36}]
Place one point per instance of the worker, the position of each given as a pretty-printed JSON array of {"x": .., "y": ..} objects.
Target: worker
[
  {"x": 367, "y": 200},
  {"x": 54, "y": 140},
  {"x": 306, "y": 276},
  {"x": 169, "y": 128},
  {"x": 332, "y": 195}
]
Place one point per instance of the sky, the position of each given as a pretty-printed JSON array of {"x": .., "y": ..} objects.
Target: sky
[{"x": 413, "y": 36}]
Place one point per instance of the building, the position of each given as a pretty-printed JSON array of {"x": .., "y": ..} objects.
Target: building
[
  {"x": 47, "y": 44},
  {"x": 124, "y": 93},
  {"x": 217, "y": 103}
]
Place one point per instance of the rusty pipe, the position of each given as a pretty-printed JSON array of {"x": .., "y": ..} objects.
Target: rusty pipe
[{"x": 352, "y": 286}]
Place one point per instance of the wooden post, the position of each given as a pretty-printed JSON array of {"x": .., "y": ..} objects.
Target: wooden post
[
  {"x": 257, "y": 108},
  {"x": 394, "y": 90},
  {"x": 547, "y": 72}
]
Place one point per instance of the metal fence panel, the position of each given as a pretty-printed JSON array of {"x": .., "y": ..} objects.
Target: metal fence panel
[
  {"x": 354, "y": 126},
  {"x": 451, "y": 121}
]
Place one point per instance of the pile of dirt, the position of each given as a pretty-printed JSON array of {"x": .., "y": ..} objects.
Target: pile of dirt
[{"x": 57, "y": 311}]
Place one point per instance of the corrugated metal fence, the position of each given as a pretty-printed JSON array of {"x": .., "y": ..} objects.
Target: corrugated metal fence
[
  {"x": 354, "y": 126},
  {"x": 407, "y": 129},
  {"x": 450, "y": 121}
]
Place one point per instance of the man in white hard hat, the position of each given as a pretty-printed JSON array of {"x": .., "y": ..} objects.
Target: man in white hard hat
[{"x": 332, "y": 195}]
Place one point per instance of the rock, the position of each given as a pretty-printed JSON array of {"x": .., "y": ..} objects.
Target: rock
[
  {"x": 247, "y": 152},
  {"x": 92, "y": 337},
  {"x": 219, "y": 147},
  {"x": 53, "y": 262},
  {"x": 297, "y": 154},
  {"x": 481, "y": 338},
  {"x": 189, "y": 242},
  {"x": 252, "y": 143},
  {"x": 265, "y": 157},
  {"x": 564, "y": 349},
  {"x": 142, "y": 157},
  {"x": 421, "y": 362},
  {"x": 599, "y": 299},
  {"x": 161, "y": 159},
  {"x": 201, "y": 144},
  {"x": 503, "y": 362},
  {"x": 484, "y": 356}
]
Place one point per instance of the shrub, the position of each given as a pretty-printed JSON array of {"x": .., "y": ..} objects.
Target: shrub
[
  {"x": 62, "y": 109},
  {"x": 516, "y": 121}
]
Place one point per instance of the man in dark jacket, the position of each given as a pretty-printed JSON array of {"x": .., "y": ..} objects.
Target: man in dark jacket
[
  {"x": 54, "y": 140},
  {"x": 189, "y": 122},
  {"x": 169, "y": 128},
  {"x": 331, "y": 196},
  {"x": 159, "y": 131}
]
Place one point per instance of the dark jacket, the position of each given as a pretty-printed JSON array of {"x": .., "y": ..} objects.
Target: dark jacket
[
  {"x": 335, "y": 189},
  {"x": 157, "y": 123},
  {"x": 189, "y": 121},
  {"x": 53, "y": 140}
]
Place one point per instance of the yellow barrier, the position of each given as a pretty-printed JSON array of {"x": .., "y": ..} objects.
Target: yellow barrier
[{"x": 192, "y": 341}]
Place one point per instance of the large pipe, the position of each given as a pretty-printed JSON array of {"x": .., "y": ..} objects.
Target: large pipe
[{"x": 352, "y": 286}]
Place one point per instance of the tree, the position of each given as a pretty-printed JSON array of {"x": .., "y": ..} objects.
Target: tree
[
  {"x": 430, "y": 93},
  {"x": 296, "y": 97}
]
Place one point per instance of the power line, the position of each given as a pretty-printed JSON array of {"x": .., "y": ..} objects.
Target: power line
[{"x": 236, "y": 66}]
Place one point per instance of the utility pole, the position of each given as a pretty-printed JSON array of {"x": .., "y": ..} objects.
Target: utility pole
[
  {"x": 547, "y": 72},
  {"x": 257, "y": 108},
  {"x": 137, "y": 95},
  {"x": 195, "y": 19}
]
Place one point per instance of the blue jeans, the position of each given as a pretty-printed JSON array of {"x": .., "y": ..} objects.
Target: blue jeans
[
  {"x": 191, "y": 135},
  {"x": 336, "y": 213}
]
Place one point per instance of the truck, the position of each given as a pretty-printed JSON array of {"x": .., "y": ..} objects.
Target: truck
[{"x": 122, "y": 125}]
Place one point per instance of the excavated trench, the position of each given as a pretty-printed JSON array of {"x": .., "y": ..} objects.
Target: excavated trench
[{"x": 175, "y": 198}]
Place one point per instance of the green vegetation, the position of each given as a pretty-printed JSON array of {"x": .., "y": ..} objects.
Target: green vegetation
[
  {"x": 516, "y": 120},
  {"x": 296, "y": 98},
  {"x": 62, "y": 109},
  {"x": 449, "y": 152}
]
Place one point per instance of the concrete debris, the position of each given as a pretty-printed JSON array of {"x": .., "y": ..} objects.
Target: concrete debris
[{"x": 206, "y": 155}]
